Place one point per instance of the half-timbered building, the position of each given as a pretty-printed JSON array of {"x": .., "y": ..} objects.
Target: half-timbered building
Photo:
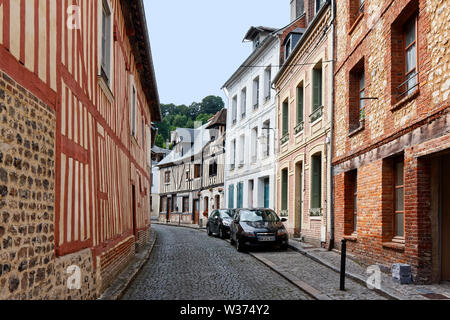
[{"x": 77, "y": 98}]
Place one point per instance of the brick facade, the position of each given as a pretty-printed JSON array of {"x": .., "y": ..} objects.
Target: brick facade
[{"x": 412, "y": 126}]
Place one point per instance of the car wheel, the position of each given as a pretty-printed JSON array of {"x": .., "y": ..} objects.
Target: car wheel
[
  {"x": 232, "y": 240},
  {"x": 208, "y": 231},
  {"x": 239, "y": 246},
  {"x": 284, "y": 247}
]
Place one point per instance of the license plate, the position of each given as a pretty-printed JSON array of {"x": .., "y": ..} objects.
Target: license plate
[{"x": 264, "y": 239}]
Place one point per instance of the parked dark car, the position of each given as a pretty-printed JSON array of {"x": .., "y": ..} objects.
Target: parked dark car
[
  {"x": 253, "y": 227},
  {"x": 219, "y": 223}
]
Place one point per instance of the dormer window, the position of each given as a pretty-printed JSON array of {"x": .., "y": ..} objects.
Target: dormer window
[
  {"x": 291, "y": 41},
  {"x": 288, "y": 49},
  {"x": 256, "y": 43},
  {"x": 319, "y": 4}
]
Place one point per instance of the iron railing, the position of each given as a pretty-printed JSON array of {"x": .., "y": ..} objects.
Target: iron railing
[
  {"x": 315, "y": 212},
  {"x": 300, "y": 127},
  {"x": 316, "y": 114},
  {"x": 408, "y": 91}
]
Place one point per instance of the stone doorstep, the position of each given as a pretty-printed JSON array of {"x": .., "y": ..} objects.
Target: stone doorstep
[{"x": 117, "y": 289}]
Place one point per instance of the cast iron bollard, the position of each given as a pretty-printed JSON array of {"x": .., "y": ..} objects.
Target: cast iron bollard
[{"x": 343, "y": 259}]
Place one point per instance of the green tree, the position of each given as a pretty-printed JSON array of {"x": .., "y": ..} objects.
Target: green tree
[
  {"x": 204, "y": 118},
  {"x": 182, "y": 116},
  {"x": 160, "y": 141},
  {"x": 211, "y": 105}
]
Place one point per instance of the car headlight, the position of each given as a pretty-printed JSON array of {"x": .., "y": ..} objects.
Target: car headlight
[{"x": 281, "y": 232}]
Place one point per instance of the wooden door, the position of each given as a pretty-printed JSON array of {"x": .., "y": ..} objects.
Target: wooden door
[
  {"x": 218, "y": 202},
  {"x": 445, "y": 209},
  {"x": 196, "y": 211}
]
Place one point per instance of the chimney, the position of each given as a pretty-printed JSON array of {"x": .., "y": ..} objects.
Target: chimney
[{"x": 297, "y": 9}]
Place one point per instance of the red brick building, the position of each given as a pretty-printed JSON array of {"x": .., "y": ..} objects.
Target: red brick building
[
  {"x": 391, "y": 133},
  {"x": 77, "y": 97}
]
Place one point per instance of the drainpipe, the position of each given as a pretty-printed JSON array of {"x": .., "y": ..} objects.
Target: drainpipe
[{"x": 333, "y": 46}]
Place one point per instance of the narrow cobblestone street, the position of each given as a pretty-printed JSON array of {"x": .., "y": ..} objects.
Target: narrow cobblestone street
[{"x": 188, "y": 265}]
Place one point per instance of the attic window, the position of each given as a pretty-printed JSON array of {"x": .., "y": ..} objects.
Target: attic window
[
  {"x": 288, "y": 48},
  {"x": 256, "y": 43}
]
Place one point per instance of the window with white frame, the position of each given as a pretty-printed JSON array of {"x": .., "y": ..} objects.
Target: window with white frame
[
  {"x": 256, "y": 93},
  {"x": 267, "y": 82},
  {"x": 254, "y": 153},
  {"x": 234, "y": 109},
  {"x": 241, "y": 150},
  {"x": 243, "y": 102},
  {"x": 266, "y": 132},
  {"x": 233, "y": 155},
  {"x": 319, "y": 4}
]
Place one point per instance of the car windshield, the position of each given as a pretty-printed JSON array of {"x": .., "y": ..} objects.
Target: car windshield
[
  {"x": 226, "y": 214},
  {"x": 259, "y": 215}
]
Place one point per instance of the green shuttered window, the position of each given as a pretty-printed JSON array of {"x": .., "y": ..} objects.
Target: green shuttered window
[{"x": 316, "y": 182}]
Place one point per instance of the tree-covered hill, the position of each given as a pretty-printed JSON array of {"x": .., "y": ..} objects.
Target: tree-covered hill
[{"x": 183, "y": 116}]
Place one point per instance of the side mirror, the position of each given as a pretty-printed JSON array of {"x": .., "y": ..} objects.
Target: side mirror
[{"x": 283, "y": 220}]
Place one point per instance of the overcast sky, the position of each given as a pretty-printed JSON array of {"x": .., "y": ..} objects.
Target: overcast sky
[{"x": 197, "y": 44}]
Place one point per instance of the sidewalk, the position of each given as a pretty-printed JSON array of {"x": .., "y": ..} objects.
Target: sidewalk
[
  {"x": 183, "y": 225},
  {"x": 357, "y": 272},
  {"x": 116, "y": 290}
]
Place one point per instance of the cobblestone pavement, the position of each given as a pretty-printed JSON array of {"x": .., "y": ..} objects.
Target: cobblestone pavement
[
  {"x": 403, "y": 292},
  {"x": 318, "y": 276},
  {"x": 188, "y": 265}
]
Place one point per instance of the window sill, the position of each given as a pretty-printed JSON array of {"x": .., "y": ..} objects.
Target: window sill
[
  {"x": 316, "y": 122},
  {"x": 398, "y": 246},
  {"x": 362, "y": 125},
  {"x": 405, "y": 100},
  {"x": 105, "y": 88},
  {"x": 353, "y": 237},
  {"x": 357, "y": 20}
]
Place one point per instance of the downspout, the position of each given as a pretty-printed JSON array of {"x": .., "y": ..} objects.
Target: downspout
[{"x": 333, "y": 48}]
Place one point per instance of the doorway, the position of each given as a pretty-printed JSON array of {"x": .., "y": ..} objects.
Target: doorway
[
  {"x": 206, "y": 207},
  {"x": 218, "y": 202},
  {"x": 196, "y": 211},
  {"x": 445, "y": 217},
  {"x": 298, "y": 199},
  {"x": 266, "y": 193},
  {"x": 169, "y": 209},
  {"x": 133, "y": 204}
]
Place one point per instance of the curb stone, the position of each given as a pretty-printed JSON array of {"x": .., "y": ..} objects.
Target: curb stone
[
  {"x": 179, "y": 226},
  {"x": 313, "y": 292},
  {"x": 117, "y": 289}
]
